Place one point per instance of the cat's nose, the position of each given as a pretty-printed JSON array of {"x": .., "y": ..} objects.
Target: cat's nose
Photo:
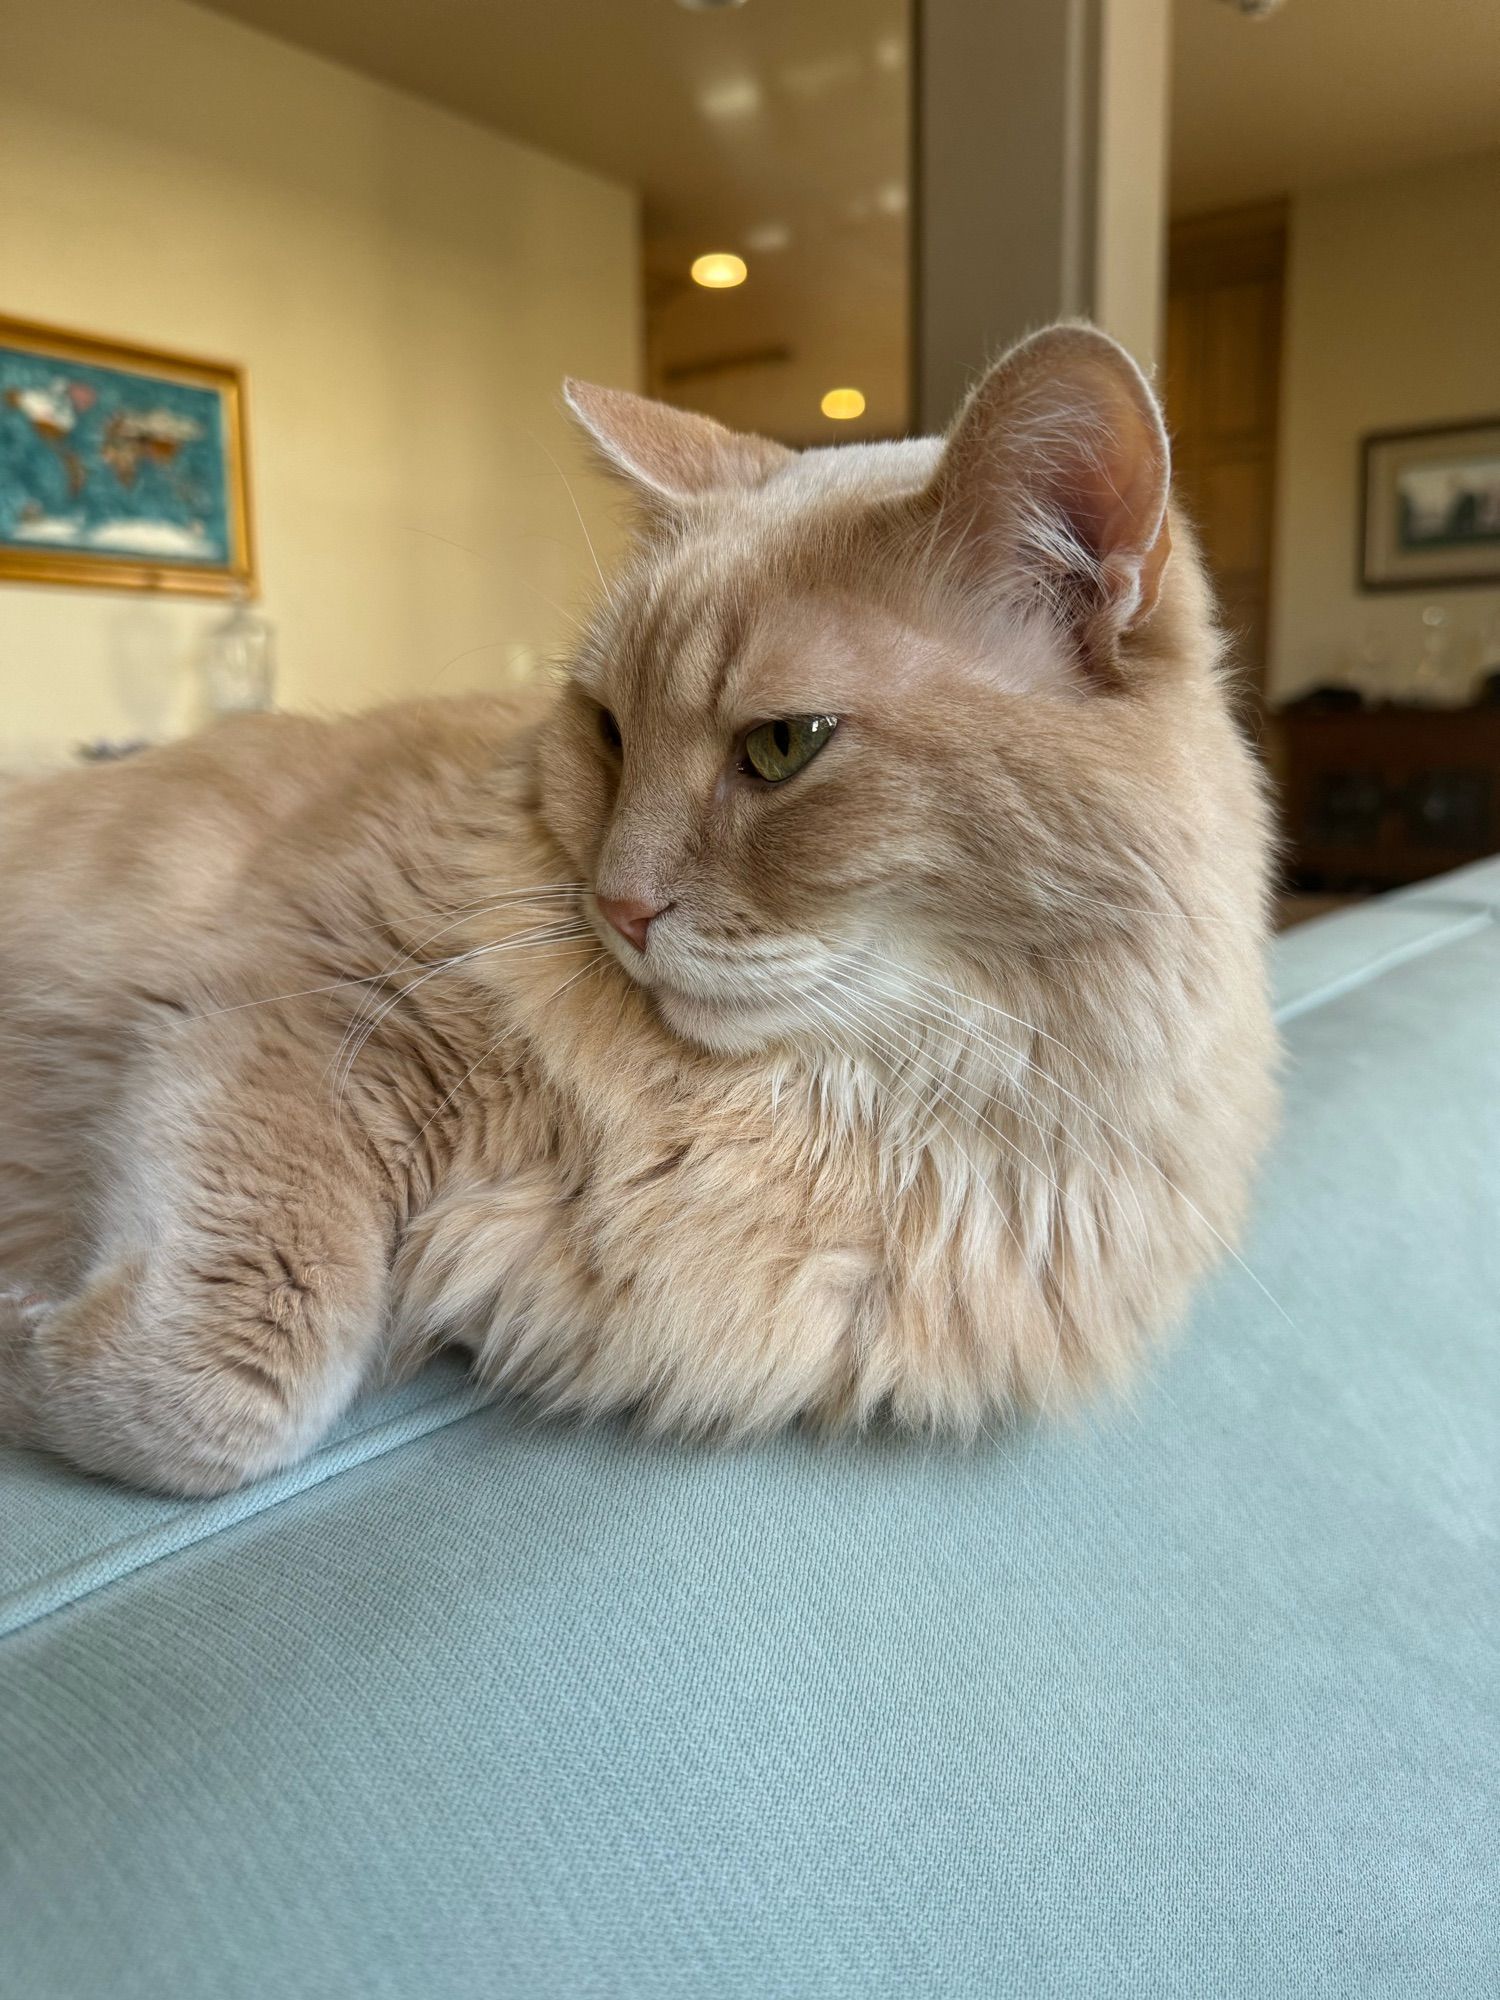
[{"x": 632, "y": 919}]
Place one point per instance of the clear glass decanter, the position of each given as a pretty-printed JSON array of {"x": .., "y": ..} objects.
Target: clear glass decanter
[{"x": 239, "y": 665}]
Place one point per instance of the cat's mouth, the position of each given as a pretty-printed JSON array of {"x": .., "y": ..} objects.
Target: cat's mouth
[{"x": 729, "y": 999}]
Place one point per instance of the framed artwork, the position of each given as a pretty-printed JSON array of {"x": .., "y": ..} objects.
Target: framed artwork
[
  {"x": 1430, "y": 517},
  {"x": 123, "y": 467}
]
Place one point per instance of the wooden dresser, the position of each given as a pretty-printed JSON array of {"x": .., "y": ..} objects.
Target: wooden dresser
[{"x": 1374, "y": 797}]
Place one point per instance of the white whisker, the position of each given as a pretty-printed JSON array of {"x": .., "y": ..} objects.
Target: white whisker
[
  {"x": 1139, "y": 1227},
  {"x": 343, "y": 1066},
  {"x": 481, "y": 907},
  {"x": 573, "y": 497},
  {"x": 931, "y": 1110},
  {"x": 484, "y": 1056},
  {"x": 1056, "y": 1222},
  {"x": 1114, "y": 1130},
  {"x": 468, "y": 913}
]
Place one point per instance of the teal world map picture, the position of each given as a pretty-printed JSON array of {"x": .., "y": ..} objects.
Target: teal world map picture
[{"x": 119, "y": 467}]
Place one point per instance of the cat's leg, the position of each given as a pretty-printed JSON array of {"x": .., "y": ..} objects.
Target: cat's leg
[
  {"x": 21, "y": 1311},
  {"x": 235, "y": 1300}
]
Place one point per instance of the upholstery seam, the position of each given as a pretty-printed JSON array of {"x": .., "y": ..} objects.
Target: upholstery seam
[
  {"x": 1477, "y": 917},
  {"x": 202, "y": 1521}
]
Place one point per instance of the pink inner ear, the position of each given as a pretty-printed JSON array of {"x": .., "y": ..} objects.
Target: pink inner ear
[
  {"x": 672, "y": 454},
  {"x": 1150, "y": 570},
  {"x": 1059, "y": 465},
  {"x": 1118, "y": 503},
  {"x": 1111, "y": 491}
]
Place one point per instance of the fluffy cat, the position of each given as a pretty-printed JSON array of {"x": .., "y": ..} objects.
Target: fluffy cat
[{"x": 842, "y": 995}]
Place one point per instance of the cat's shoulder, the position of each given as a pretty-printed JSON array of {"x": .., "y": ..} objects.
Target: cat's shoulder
[
  {"x": 459, "y": 723},
  {"x": 462, "y": 733}
]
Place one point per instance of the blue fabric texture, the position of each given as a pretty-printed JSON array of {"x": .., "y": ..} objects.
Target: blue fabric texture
[{"x": 1192, "y": 1695}]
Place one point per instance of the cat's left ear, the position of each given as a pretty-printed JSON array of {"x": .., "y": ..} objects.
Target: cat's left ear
[
  {"x": 667, "y": 454},
  {"x": 1055, "y": 479}
]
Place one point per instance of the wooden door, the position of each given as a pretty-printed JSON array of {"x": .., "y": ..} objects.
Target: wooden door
[{"x": 1223, "y": 366}]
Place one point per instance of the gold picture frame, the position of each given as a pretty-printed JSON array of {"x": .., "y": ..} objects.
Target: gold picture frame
[{"x": 122, "y": 467}]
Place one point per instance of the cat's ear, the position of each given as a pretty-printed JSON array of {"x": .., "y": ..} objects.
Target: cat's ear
[
  {"x": 1055, "y": 478},
  {"x": 668, "y": 454}
]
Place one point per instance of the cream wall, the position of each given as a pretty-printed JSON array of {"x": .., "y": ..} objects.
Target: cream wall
[
  {"x": 406, "y": 291},
  {"x": 1392, "y": 322}
]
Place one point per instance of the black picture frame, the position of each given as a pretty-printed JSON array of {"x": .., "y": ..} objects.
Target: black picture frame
[{"x": 1391, "y": 463}]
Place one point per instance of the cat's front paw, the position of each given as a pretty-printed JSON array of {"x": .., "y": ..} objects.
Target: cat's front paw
[
  {"x": 27, "y": 1309},
  {"x": 22, "y": 1314}
]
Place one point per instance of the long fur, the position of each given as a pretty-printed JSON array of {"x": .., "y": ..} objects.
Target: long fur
[{"x": 941, "y": 1077}]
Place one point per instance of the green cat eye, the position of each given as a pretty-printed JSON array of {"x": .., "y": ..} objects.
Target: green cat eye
[{"x": 776, "y": 751}]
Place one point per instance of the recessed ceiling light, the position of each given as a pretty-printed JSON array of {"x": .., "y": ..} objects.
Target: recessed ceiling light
[
  {"x": 719, "y": 270},
  {"x": 736, "y": 97},
  {"x": 842, "y": 404},
  {"x": 768, "y": 236}
]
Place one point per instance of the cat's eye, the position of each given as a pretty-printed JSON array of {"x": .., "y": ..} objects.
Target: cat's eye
[
  {"x": 778, "y": 750},
  {"x": 609, "y": 729}
]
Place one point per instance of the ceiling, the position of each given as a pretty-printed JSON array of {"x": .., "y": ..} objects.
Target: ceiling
[
  {"x": 777, "y": 130},
  {"x": 1326, "y": 90},
  {"x": 780, "y": 131}
]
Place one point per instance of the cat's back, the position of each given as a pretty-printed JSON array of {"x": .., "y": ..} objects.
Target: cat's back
[{"x": 137, "y": 854}]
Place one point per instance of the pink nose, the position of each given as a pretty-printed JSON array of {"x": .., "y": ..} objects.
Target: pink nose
[{"x": 630, "y": 918}]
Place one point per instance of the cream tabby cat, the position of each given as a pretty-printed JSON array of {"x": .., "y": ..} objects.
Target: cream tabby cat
[{"x": 843, "y": 996}]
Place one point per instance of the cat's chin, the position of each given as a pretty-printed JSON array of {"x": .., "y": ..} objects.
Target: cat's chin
[{"x": 727, "y": 1029}]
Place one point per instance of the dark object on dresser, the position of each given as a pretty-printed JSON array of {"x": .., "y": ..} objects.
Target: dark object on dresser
[
  {"x": 1375, "y": 797},
  {"x": 1331, "y": 695}
]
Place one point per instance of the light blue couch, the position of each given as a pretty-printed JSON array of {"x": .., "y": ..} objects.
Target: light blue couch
[{"x": 1192, "y": 1696}]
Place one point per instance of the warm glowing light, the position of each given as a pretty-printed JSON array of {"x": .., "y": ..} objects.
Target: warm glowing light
[
  {"x": 736, "y": 97},
  {"x": 841, "y": 404},
  {"x": 719, "y": 270}
]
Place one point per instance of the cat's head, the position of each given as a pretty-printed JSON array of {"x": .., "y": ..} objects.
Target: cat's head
[{"x": 866, "y": 712}]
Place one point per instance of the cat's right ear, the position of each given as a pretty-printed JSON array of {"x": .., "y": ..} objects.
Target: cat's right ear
[
  {"x": 668, "y": 455},
  {"x": 1055, "y": 479}
]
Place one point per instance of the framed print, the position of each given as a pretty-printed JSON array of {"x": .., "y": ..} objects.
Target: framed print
[
  {"x": 123, "y": 467},
  {"x": 1431, "y": 511}
]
